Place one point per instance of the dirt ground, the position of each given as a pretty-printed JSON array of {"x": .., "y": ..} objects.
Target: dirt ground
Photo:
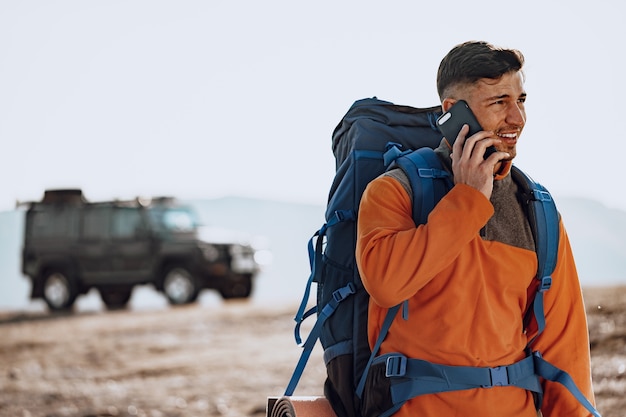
[{"x": 222, "y": 359}]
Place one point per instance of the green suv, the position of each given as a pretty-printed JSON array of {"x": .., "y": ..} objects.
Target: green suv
[{"x": 71, "y": 246}]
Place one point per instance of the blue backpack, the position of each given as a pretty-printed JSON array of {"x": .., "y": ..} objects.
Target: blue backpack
[{"x": 373, "y": 137}]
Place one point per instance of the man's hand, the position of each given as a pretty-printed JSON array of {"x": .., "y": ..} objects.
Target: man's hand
[{"x": 468, "y": 163}]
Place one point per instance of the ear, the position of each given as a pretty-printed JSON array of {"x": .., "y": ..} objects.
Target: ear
[{"x": 447, "y": 103}]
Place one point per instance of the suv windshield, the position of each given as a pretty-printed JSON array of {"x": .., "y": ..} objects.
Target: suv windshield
[{"x": 173, "y": 219}]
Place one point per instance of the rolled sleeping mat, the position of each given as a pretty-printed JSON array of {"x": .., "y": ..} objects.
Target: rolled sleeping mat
[{"x": 314, "y": 406}]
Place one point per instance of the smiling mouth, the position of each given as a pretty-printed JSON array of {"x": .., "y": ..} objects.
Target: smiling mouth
[{"x": 508, "y": 137}]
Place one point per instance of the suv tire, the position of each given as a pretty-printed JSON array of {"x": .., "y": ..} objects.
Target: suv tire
[
  {"x": 180, "y": 286},
  {"x": 59, "y": 290},
  {"x": 240, "y": 287}
]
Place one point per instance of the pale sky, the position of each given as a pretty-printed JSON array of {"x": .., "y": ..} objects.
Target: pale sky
[{"x": 203, "y": 99}]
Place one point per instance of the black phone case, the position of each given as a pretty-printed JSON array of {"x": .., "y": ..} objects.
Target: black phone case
[{"x": 451, "y": 122}]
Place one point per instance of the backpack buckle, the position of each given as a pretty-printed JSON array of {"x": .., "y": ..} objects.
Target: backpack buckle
[
  {"x": 395, "y": 366},
  {"x": 432, "y": 173},
  {"x": 546, "y": 283},
  {"x": 542, "y": 195},
  {"x": 343, "y": 292},
  {"x": 499, "y": 377}
]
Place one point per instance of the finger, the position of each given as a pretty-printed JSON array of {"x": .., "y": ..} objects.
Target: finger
[
  {"x": 498, "y": 156},
  {"x": 480, "y": 145},
  {"x": 457, "y": 148}
]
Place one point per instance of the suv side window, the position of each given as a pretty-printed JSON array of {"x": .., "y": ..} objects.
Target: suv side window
[
  {"x": 96, "y": 221},
  {"x": 54, "y": 222},
  {"x": 126, "y": 223}
]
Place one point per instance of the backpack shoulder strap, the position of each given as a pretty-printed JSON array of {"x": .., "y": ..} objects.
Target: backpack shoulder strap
[
  {"x": 423, "y": 168},
  {"x": 544, "y": 221}
]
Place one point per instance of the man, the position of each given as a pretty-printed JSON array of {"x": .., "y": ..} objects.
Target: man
[{"x": 466, "y": 273}]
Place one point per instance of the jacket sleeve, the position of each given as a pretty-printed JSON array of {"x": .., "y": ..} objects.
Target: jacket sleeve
[
  {"x": 391, "y": 251},
  {"x": 565, "y": 340}
]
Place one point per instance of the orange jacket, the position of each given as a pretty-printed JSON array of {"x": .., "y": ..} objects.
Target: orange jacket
[{"x": 466, "y": 298}]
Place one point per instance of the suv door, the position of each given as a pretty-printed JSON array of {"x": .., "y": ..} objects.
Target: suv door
[
  {"x": 131, "y": 245},
  {"x": 116, "y": 246},
  {"x": 94, "y": 251}
]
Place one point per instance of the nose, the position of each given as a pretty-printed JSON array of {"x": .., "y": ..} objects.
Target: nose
[{"x": 516, "y": 115}]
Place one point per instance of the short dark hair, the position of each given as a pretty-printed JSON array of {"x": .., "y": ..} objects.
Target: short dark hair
[{"x": 468, "y": 62}]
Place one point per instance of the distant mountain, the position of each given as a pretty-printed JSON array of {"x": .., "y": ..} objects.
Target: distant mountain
[
  {"x": 598, "y": 238},
  {"x": 597, "y": 235}
]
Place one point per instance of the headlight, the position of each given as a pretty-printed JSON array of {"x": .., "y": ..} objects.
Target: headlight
[{"x": 210, "y": 253}]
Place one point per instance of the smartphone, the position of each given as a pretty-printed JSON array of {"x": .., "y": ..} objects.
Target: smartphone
[{"x": 451, "y": 122}]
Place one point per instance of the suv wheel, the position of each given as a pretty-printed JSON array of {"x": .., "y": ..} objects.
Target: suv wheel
[
  {"x": 59, "y": 291},
  {"x": 240, "y": 287},
  {"x": 115, "y": 298},
  {"x": 180, "y": 286}
]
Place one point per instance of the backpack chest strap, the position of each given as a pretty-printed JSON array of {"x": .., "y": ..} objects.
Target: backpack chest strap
[{"x": 412, "y": 377}]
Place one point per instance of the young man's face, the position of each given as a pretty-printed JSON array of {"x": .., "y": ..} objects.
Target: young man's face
[{"x": 499, "y": 107}]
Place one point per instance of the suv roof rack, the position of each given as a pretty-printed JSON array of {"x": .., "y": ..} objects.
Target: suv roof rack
[
  {"x": 75, "y": 196},
  {"x": 65, "y": 196}
]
